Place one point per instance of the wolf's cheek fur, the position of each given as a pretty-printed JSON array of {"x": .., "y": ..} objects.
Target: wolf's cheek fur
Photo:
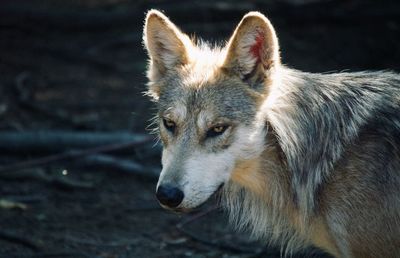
[{"x": 203, "y": 174}]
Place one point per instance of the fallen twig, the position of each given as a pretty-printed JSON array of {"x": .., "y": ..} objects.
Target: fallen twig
[
  {"x": 7, "y": 204},
  {"x": 123, "y": 165},
  {"x": 11, "y": 237}
]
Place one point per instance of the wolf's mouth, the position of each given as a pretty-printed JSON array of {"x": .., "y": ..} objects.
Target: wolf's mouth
[
  {"x": 215, "y": 194},
  {"x": 219, "y": 189}
]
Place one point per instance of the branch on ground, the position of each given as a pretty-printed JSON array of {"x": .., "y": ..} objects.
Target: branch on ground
[{"x": 56, "y": 141}]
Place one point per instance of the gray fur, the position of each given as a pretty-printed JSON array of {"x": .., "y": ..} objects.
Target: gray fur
[
  {"x": 330, "y": 112},
  {"x": 342, "y": 122}
]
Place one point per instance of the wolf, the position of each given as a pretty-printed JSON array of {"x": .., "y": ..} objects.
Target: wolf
[{"x": 298, "y": 158}]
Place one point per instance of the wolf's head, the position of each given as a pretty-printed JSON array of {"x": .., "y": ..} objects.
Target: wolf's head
[{"x": 208, "y": 101}]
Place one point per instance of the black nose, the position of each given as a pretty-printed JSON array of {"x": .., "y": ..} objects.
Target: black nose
[{"x": 169, "y": 195}]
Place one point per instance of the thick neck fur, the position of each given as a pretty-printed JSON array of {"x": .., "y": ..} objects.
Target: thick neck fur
[
  {"x": 259, "y": 198},
  {"x": 314, "y": 118}
]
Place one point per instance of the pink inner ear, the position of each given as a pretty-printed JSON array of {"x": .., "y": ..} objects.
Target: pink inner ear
[{"x": 257, "y": 47}]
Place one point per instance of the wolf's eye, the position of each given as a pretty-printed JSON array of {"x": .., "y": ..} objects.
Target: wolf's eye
[
  {"x": 169, "y": 125},
  {"x": 216, "y": 130}
]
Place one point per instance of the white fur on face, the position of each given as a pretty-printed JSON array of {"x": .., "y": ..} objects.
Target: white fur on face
[
  {"x": 204, "y": 172},
  {"x": 166, "y": 160}
]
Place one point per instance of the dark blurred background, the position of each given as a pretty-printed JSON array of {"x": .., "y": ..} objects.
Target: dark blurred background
[{"x": 77, "y": 168}]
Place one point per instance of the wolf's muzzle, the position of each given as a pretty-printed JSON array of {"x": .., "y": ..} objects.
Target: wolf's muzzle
[{"x": 169, "y": 196}]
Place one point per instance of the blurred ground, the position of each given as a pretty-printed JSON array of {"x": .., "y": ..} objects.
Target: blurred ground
[{"x": 80, "y": 65}]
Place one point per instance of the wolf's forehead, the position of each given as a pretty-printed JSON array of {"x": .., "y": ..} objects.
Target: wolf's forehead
[
  {"x": 209, "y": 102},
  {"x": 177, "y": 110}
]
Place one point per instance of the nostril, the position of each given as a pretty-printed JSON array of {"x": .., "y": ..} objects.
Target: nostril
[{"x": 169, "y": 195}]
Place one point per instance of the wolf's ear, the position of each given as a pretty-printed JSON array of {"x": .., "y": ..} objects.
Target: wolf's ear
[
  {"x": 253, "y": 49},
  {"x": 165, "y": 44}
]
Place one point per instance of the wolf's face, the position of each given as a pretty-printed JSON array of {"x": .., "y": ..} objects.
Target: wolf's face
[
  {"x": 207, "y": 105},
  {"x": 204, "y": 131}
]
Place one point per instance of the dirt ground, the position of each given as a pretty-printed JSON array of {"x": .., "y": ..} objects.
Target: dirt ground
[{"x": 79, "y": 65}]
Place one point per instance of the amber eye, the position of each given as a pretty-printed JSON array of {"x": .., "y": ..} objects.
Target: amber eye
[
  {"x": 216, "y": 130},
  {"x": 170, "y": 125}
]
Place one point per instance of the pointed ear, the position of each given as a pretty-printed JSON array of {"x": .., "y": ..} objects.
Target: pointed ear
[
  {"x": 253, "y": 49},
  {"x": 165, "y": 44}
]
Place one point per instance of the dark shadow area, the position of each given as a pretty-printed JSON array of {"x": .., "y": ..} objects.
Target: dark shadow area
[{"x": 78, "y": 167}]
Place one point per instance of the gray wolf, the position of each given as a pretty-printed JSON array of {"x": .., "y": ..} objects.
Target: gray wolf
[{"x": 299, "y": 158}]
